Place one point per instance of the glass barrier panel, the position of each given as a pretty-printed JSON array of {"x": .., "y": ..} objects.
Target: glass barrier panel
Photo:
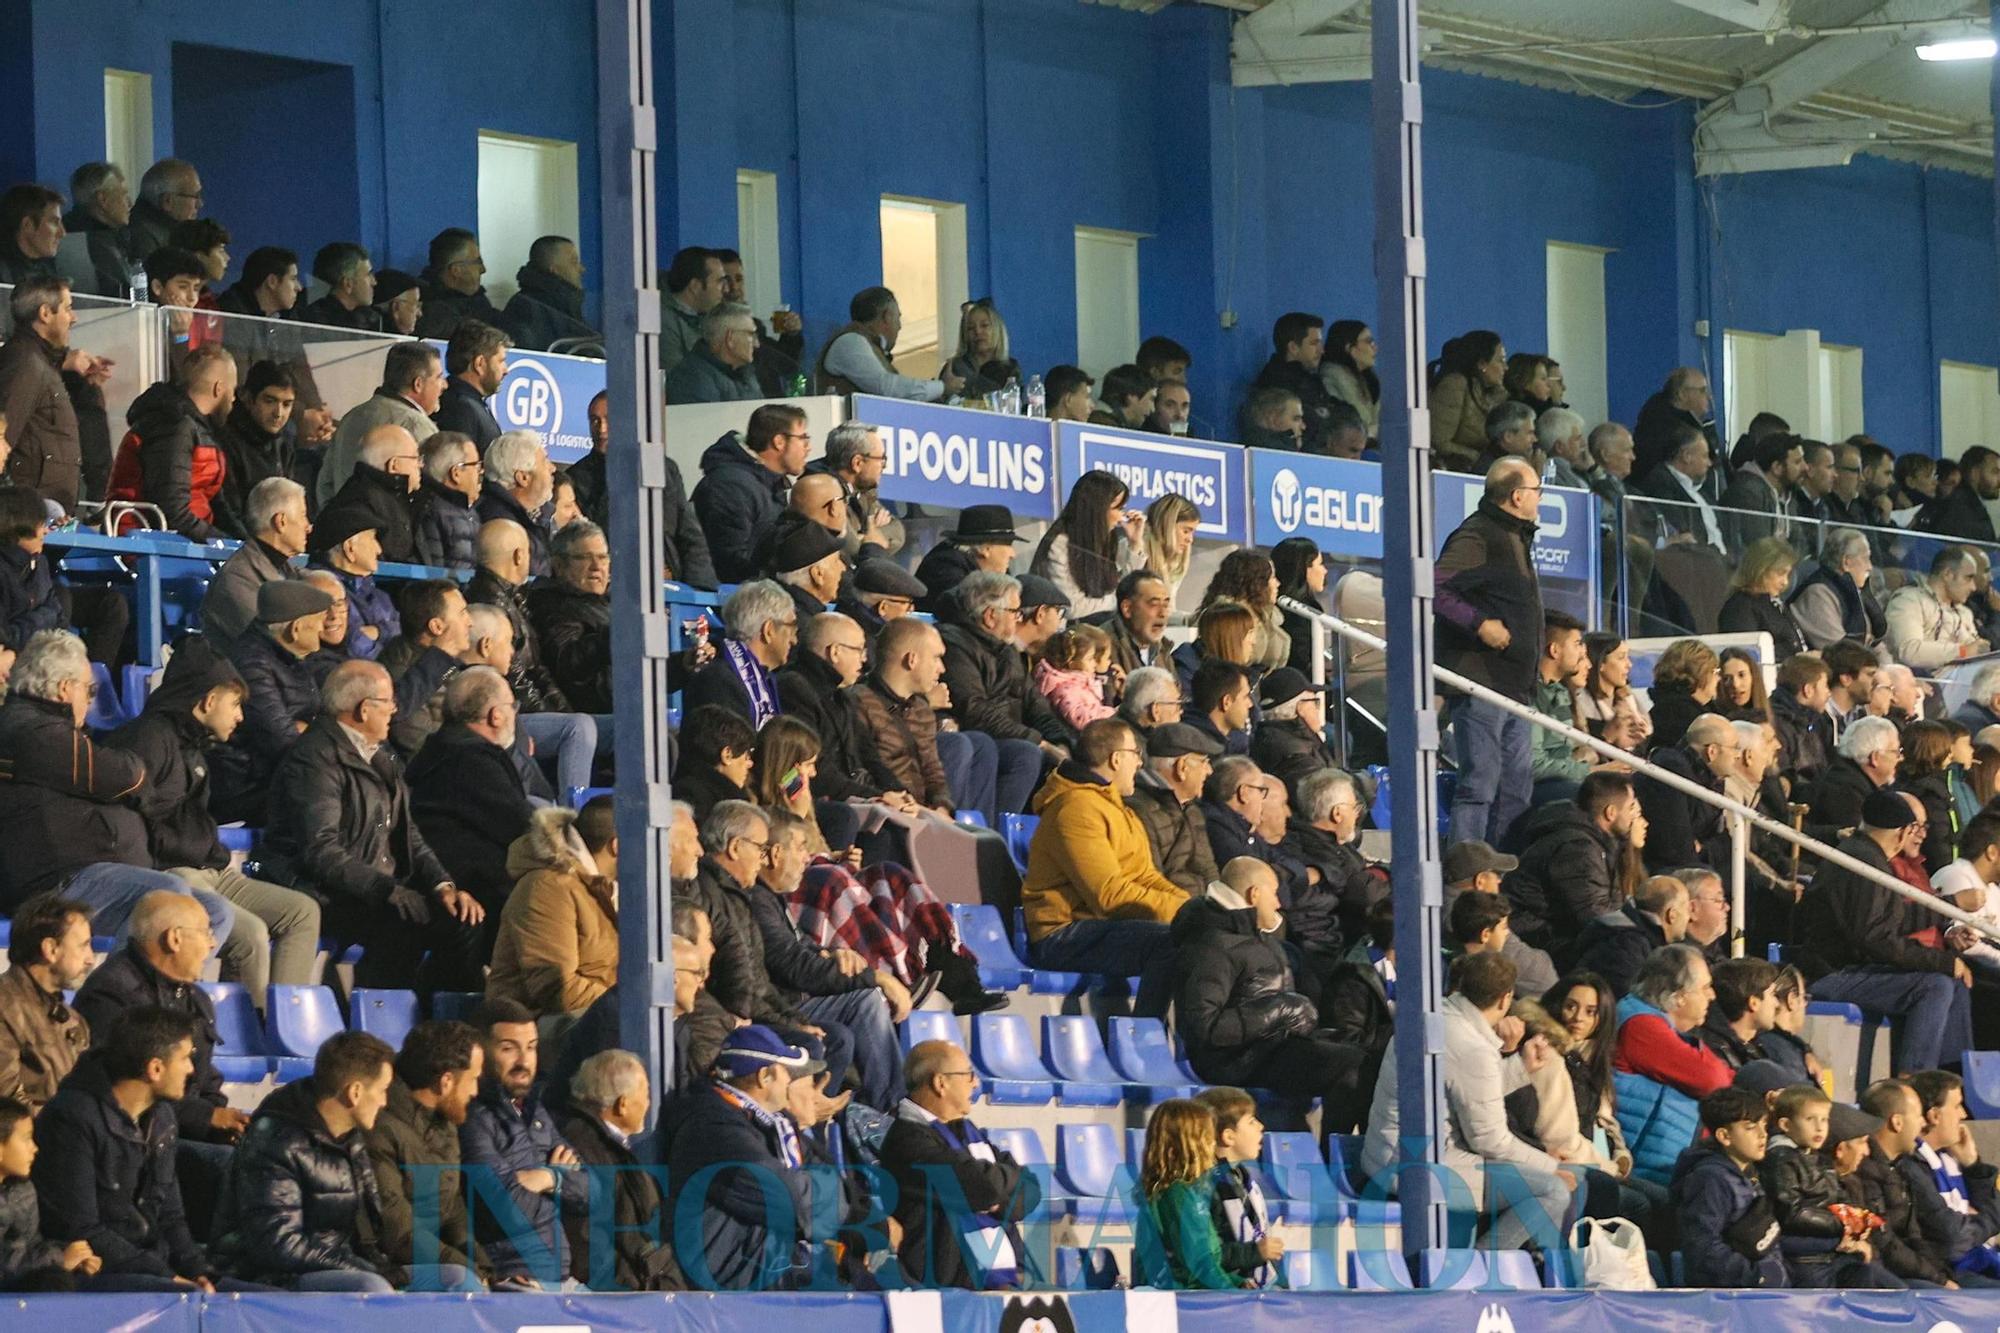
[{"x": 337, "y": 369}]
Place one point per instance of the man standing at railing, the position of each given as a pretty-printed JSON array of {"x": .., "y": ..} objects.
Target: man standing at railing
[
  {"x": 1489, "y": 630},
  {"x": 1856, "y": 946}
]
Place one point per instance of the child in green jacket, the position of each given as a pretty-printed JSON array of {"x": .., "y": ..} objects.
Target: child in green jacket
[{"x": 1177, "y": 1245}]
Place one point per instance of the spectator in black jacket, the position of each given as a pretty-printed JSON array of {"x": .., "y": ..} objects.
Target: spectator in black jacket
[
  {"x": 465, "y": 788},
  {"x": 437, "y": 630},
  {"x": 276, "y": 527},
  {"x": 1574, "y": 864},
  {"x": 743, "y": 485},
  {"x": 687, "y": 556},
  {"x": 1729, "y": 1231},
  {"x": 983, "y": 540},
  {"x": 1798, "y": 713},
  {"x": 717, "y": 745},
  {"x": 571, "y": 615},
  {"x": 1289, "y": 742},
  {"x": 342, "y": 830},
  {"x": 1854, "y": 942},
  {"x": 281, "y": 698},
  {"x": 548, "y": 306},
  {"x": 1876, "y": 1183},
  {"x": 1325, "y": 833},
  {"x": 1680, "y": 830},
  {"x": 259, "y": 441},
  {"x": 1489, "y": 629},
  {"x": 476, "y": 357},
  {"x": 1616, "y": 945},
  {"x": 196, "y": 706},
  {"x": 1237, "y": 1008},
  {"x": 988, "y": 677},
  {"x": 817, "y": 688},
  {"x": 443, "y": 518},
  {"x": 933, "y": 1139},
  {"x": 609, "y": 1097},
  {"x": 376, "y": 495},
  {"x": 28, "y": 599},
  {"x": 1866, "y": 761},
  {"x": 1299, "y": 340},
  {"x": 501, "y": 580},
  {"x": 1803, "y": 1188},
  {"x": 1745, "y": 1007},
  {"x": 763, "y": 630},
  {"x": 518, "y": 483},
  {"x": 302, "y": 1208},
  {"x": 719, "y": 369},
  {"x": 105, "y": 1173},
  {"x": 1952, "y": 1192}
]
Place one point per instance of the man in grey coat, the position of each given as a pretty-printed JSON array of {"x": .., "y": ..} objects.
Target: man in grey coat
[
  {"x": 277, "y": 518},
  {"x": 413, "y": 382},
  {"x": 719, "y": 369}
]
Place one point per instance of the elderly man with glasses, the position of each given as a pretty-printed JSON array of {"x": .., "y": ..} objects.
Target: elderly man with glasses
[
  {"x": 341, "y": 830},
  {"x": 1489, "y": 629},
  {"x": 988, "y": 679},
  {"x": 719, "y": 369}
]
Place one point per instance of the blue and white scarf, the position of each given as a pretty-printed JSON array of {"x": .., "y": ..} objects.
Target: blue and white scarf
[{"x": 756, "y": 682}]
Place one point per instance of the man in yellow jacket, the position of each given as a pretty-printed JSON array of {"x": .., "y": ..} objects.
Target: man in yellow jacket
[{"x": 1094, "y": 900}]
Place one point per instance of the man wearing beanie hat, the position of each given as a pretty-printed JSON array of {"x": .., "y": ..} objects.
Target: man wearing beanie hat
[
  {"x": 1289, "y": 742},
  {"x": 879, "y": 591},
  {"x": 198, "y": 705},
  {"x": 399, "y": 298},
  {"x": 281, "y": 696},
  {"x": 1855, "y": 946},
  {"x": 742, "y": 1123},
  {"x": 805, "y": 559},
  {"x": 346, "y": 542}
]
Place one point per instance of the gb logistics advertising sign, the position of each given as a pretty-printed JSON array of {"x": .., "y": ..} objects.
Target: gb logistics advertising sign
[
  {"x": 1210, "y": 475},
  {"x": 955, "y": 457},
  {"x": 1338, "y": 503},
  {"x": 549, "y": 395}
]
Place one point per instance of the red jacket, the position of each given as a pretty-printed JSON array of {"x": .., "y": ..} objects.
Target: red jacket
[
  {"x": 1649, "y": 1045},
  {"x": 169, "y": 458}
]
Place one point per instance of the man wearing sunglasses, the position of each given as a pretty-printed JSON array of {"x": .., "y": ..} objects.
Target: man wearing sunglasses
[{"x": 1489, "y": 629}]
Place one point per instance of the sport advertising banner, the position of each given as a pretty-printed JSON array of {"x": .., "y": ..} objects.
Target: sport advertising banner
[
  {"x": 955, "y": 457},
  {"x": 549, "y": 395},
  {"x": 1208, "y": 473}
]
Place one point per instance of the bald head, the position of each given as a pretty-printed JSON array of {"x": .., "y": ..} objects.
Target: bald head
[
  {"x": 172, "y": 932},
  {"x": 503, "y": 549},
  {"x": 1247, "y": 875},
  {"x": 385, "y": 442},
  {"x": 820, "y": 497}
]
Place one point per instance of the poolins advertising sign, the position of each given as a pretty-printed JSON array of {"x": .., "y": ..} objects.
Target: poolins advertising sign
[{"x": 955, "y": 457}]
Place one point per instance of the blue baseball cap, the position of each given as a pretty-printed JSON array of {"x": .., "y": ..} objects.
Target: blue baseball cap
[{"x": 749, "y": 1049}]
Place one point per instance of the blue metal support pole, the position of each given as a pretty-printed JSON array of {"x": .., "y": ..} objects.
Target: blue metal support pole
[
  {"x": 626, "y": 133},
  {"x": 1408, "y": 543}
]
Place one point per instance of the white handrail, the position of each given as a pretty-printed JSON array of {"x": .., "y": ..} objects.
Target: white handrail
[{"x": 1741, "y": 812}]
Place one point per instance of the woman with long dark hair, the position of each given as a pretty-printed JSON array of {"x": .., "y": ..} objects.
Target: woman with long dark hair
[
  {"x": 1924, "y": 774},
  {"x": 1347, "y": 370},
  {"x": 1586, "y": 1007},
  {"x": 1249, "y": 577},
  {"x": 1301, "y": 571},
  {"x": 1739, "y": 688},
  {"x": 1606, "y": 705},
  {"x": 1093, "y": 543},
  {"x": 1466, "y": 384},
  {"x": 1527, "y": 381}
]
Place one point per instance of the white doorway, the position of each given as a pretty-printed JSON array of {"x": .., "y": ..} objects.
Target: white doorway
[
  {"x": 1968, "y": 407},
  {"x": 1839, "y": 392},
  {"x": 527, "y": 189},
  {"x": 1814, "y": 386},
  {"x": 1107, "y": 299},
  {"x": 757, "y": 240},
  {"x": 1576, "y": 326},
  {"x": 923, "y": 263},
  {"x": 128, "y": 123}
]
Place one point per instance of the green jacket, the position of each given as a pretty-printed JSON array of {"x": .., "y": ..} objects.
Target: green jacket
[
  {"x": 1177, "y": 1246},
  {"x": 1554, "y": 756}
]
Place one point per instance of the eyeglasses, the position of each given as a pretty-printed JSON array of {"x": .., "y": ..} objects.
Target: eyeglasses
[
  {"x": 798, "y": 435},
  {"x": 183, "y": 194},
  {"x": 958, "y": 1073},
  {"x": 474, "y": 262},
  {"x": 1133, "y": 753}
]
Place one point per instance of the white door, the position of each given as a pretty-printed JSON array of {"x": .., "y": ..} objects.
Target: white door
[
  {"x": 1107, "y": 299},
  {"x": 757, "y": 239},
  {"x": 1968, "y": 406},
  {"x": 1840, "y": 415},
  {"x": 128, "y": 123},
  {"x": 1746, "y": 388},
  {"x": 923, "y": 263},
  {"x": 1576, "y": 326},
  {"x": 527, "y": 189}
]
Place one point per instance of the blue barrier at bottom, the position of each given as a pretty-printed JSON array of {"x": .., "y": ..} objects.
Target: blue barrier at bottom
[{"x": 965, "y": 1312}]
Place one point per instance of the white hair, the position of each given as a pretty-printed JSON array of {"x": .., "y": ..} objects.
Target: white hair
[
  {"x": 723, "y": 319},
  {"x": 1750, "y": 733},
  {"x": 983, "y": 590},
  {"x": 489, "y": 621},
  {"x": 513, "y": 451},
  {"x": 605, "y": 1077},
  {"x": 50, "y": 657},
  {"x": 1320, "y": 790},
  {"x": 1987, "y": 683},
  {"x": 1556, "y": 426},
  {"x": 1863, "y": 739},
  {"x": 754, "y": 605},
  {"x": 1148, "y": 686},
  {"x": 1842, "y": 544},
  {"x": 271, "y": 497}
]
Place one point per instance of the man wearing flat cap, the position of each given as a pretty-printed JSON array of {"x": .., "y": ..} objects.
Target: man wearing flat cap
[
  {"x": 280, "y": 694},
  {"x": 346, "y": 543},
  {"x": 983, "y": 540},
  {"x": 1289, "y": 742},
  {"x": 1167, "y": 798},
  {"x": 805, "y": 559},
  {"x": 879, "y": 591},
  {"x": 1856, "y": 945},
  {"x": 1044, "y": 611}
]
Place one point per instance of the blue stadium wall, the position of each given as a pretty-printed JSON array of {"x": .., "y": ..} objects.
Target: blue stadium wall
[{"x": 1040, "y": 116}]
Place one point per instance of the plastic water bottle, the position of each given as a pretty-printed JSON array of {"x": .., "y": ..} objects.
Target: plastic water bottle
[
  {"x": 798, "y": 386},
  {"x": 1010, "y": 398},
  {"x": 1038, "y": 397}
]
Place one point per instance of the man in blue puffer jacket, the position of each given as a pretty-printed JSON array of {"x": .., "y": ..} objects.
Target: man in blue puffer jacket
[
  {"x": 1659, "y": 1069},
  {"x": 1729, "y": 1232}
]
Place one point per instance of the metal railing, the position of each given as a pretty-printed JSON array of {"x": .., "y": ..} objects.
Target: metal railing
[{"x": 1738, "y": 815}]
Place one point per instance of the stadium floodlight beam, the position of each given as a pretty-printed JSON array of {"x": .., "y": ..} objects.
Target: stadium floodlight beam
[{"x": 1973, "y": 48}]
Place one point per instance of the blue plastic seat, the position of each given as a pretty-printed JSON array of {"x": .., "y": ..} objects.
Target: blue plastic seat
[
  {"x": 1091, "y": 1165},
  {"x": 388, "y": 1014},
  {"x": 1376, "y": 1269},
  {"x": 301, "y": 1018},
  {"x": 1143, "y": 1055},
  {"x": 972, "y": 819},
  {"x": 1312, "y": 1270},
  {"x": 929, "y": 1025},
  {"x": 1086, "y": 1268},
  {"x": 1019, "y": 831},
  {"x": 107, "y": 710},
  {"x": 457, "y": 1004},
  {"x": 1074, "y": 1052},
  {"x": 1982, "y": 1083},
  {"x": 1343, "y": 1155},
  {"x": 981, "y": 929},
  {"x": 577, "y": 797},
  {"x": 1452, "y": 1270},
  {"x": 1305, "y": 1190},
  {"x": 1041, "y": 981},
  {"x": 241, "y": 1052},
  {"x": 1003, "y": 1051},
  {"x": 1135, "y": 1147},
  {"x": 1025, "y": 1147},
  {"x": 138, "y": 688}
]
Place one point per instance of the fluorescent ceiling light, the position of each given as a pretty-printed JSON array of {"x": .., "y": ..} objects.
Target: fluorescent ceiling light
[{"x": 1976, "y": 48}]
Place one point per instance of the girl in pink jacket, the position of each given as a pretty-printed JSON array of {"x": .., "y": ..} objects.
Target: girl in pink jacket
[{"x": 1072, "y": 672}]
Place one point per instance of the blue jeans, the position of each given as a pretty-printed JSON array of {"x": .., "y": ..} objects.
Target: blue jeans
[
  {"x": 1933, "y": 1012},
  {"x": 878, "y": 1054},
  {"x": 970, "y": 768},
  {"x": 111, "y": 889},
  {"x": 423, "y": 1277},
  {"x": 1495, "y": 770},
  {"x": 570, "y": 737},
  {"x": 1116, "y": 948}
]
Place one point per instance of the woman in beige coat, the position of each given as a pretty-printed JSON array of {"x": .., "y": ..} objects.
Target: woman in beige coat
[{"x": 1465, "y": 386}]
